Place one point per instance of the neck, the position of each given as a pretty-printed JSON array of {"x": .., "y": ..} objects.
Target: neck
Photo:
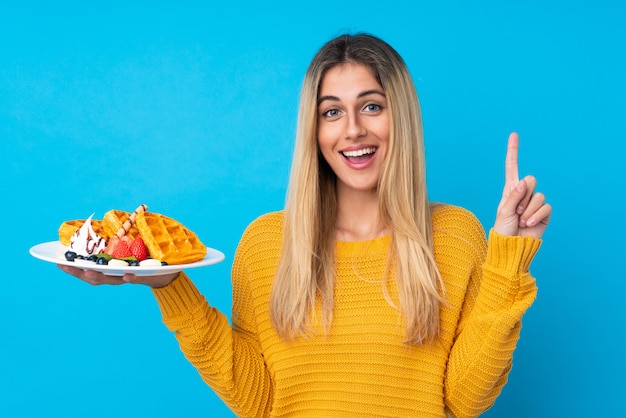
[{"x": 358, "y": 217}]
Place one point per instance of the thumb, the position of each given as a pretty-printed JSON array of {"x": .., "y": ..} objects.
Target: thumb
[{"x": 507, "y": 217}]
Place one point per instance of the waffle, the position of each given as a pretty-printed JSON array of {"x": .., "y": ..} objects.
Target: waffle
[
  {"x": 168, "y": 240},
  {"x": 69, "y": 228},
  {"x": 113, "y": 221}
]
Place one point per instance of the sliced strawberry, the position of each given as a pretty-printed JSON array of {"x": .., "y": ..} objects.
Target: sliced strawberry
[
  {"x": 111, "y": 244},
  {"x": 121, "y": 250},
  {"x": 138, "y": 249}
]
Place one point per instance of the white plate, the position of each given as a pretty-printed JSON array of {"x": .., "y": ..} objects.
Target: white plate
[{"x": 54, "y": 252}]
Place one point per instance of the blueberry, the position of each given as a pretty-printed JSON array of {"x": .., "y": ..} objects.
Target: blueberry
[
  {"x": 164, "y": 263},
  {"x": 133, "y": 263},
  {"x": 70, "y": 255},
  {"x": 92, "y": 257},
  {"x": 102, "y": 261}
]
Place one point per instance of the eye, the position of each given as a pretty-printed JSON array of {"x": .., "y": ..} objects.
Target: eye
[
  {"x": 372, "y": 107},
  {"x": 331, "y": 113}
]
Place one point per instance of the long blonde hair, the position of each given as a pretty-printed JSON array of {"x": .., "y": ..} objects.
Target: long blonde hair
[{"x": 306, "y": 270}]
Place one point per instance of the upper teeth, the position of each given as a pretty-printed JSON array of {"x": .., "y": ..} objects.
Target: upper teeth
[{"x": 359, "y": 152}]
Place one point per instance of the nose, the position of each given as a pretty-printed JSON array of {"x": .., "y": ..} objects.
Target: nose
[{"x": 355, "y": 127}]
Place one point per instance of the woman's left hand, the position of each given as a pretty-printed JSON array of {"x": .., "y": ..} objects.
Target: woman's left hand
[{"x": 522, "y": 211}]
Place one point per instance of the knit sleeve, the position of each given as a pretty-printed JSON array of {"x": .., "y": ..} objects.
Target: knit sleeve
[
  {"x": 498, "y": 293},
  {"x": 227, "y": 358}
]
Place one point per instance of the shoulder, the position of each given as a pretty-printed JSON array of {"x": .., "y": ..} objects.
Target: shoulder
[
  {"x": 455, "y": 219},
  {"x": 267, "y": 222},
  {"x": 454, "y": 225},
  {"x": 264, "y": 230}
]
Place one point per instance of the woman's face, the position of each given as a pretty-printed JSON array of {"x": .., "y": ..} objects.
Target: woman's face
[{"x": 353, "y": 126}]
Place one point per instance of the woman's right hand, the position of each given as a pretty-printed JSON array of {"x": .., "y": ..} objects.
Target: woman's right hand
[{"x": 96, "y": 278}]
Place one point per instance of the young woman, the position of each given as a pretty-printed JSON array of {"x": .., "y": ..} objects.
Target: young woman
[{"x": 362, "y": 297}]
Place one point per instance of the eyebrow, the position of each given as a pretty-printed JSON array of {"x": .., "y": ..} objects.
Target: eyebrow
[{"x": 362, "y": 94}]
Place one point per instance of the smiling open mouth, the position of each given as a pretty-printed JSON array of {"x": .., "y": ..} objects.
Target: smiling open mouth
[{"x": 360, "y": 155}]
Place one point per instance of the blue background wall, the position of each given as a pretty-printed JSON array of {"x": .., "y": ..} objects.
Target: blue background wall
[{"x": 191, "y": 109}]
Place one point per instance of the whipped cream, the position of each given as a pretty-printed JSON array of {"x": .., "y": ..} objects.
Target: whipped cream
[{"x": 86, "y": 242}]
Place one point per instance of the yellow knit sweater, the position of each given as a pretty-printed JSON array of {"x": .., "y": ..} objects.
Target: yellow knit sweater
[{"x": 362, "y": 368}]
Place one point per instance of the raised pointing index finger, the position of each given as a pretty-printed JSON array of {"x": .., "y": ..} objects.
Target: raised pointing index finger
[{"x": 510, "y": 165}]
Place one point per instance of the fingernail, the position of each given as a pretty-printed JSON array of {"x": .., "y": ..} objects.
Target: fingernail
[
  {"x": 530, "y": 222},
  {"x": 520, "y": 210},
  {"x": 522, "y": 223}
]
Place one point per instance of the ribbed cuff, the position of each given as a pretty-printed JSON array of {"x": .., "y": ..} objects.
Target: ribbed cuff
[
  {"x": 512, "y": 254},
  {"x": 178, "y": 297}
]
